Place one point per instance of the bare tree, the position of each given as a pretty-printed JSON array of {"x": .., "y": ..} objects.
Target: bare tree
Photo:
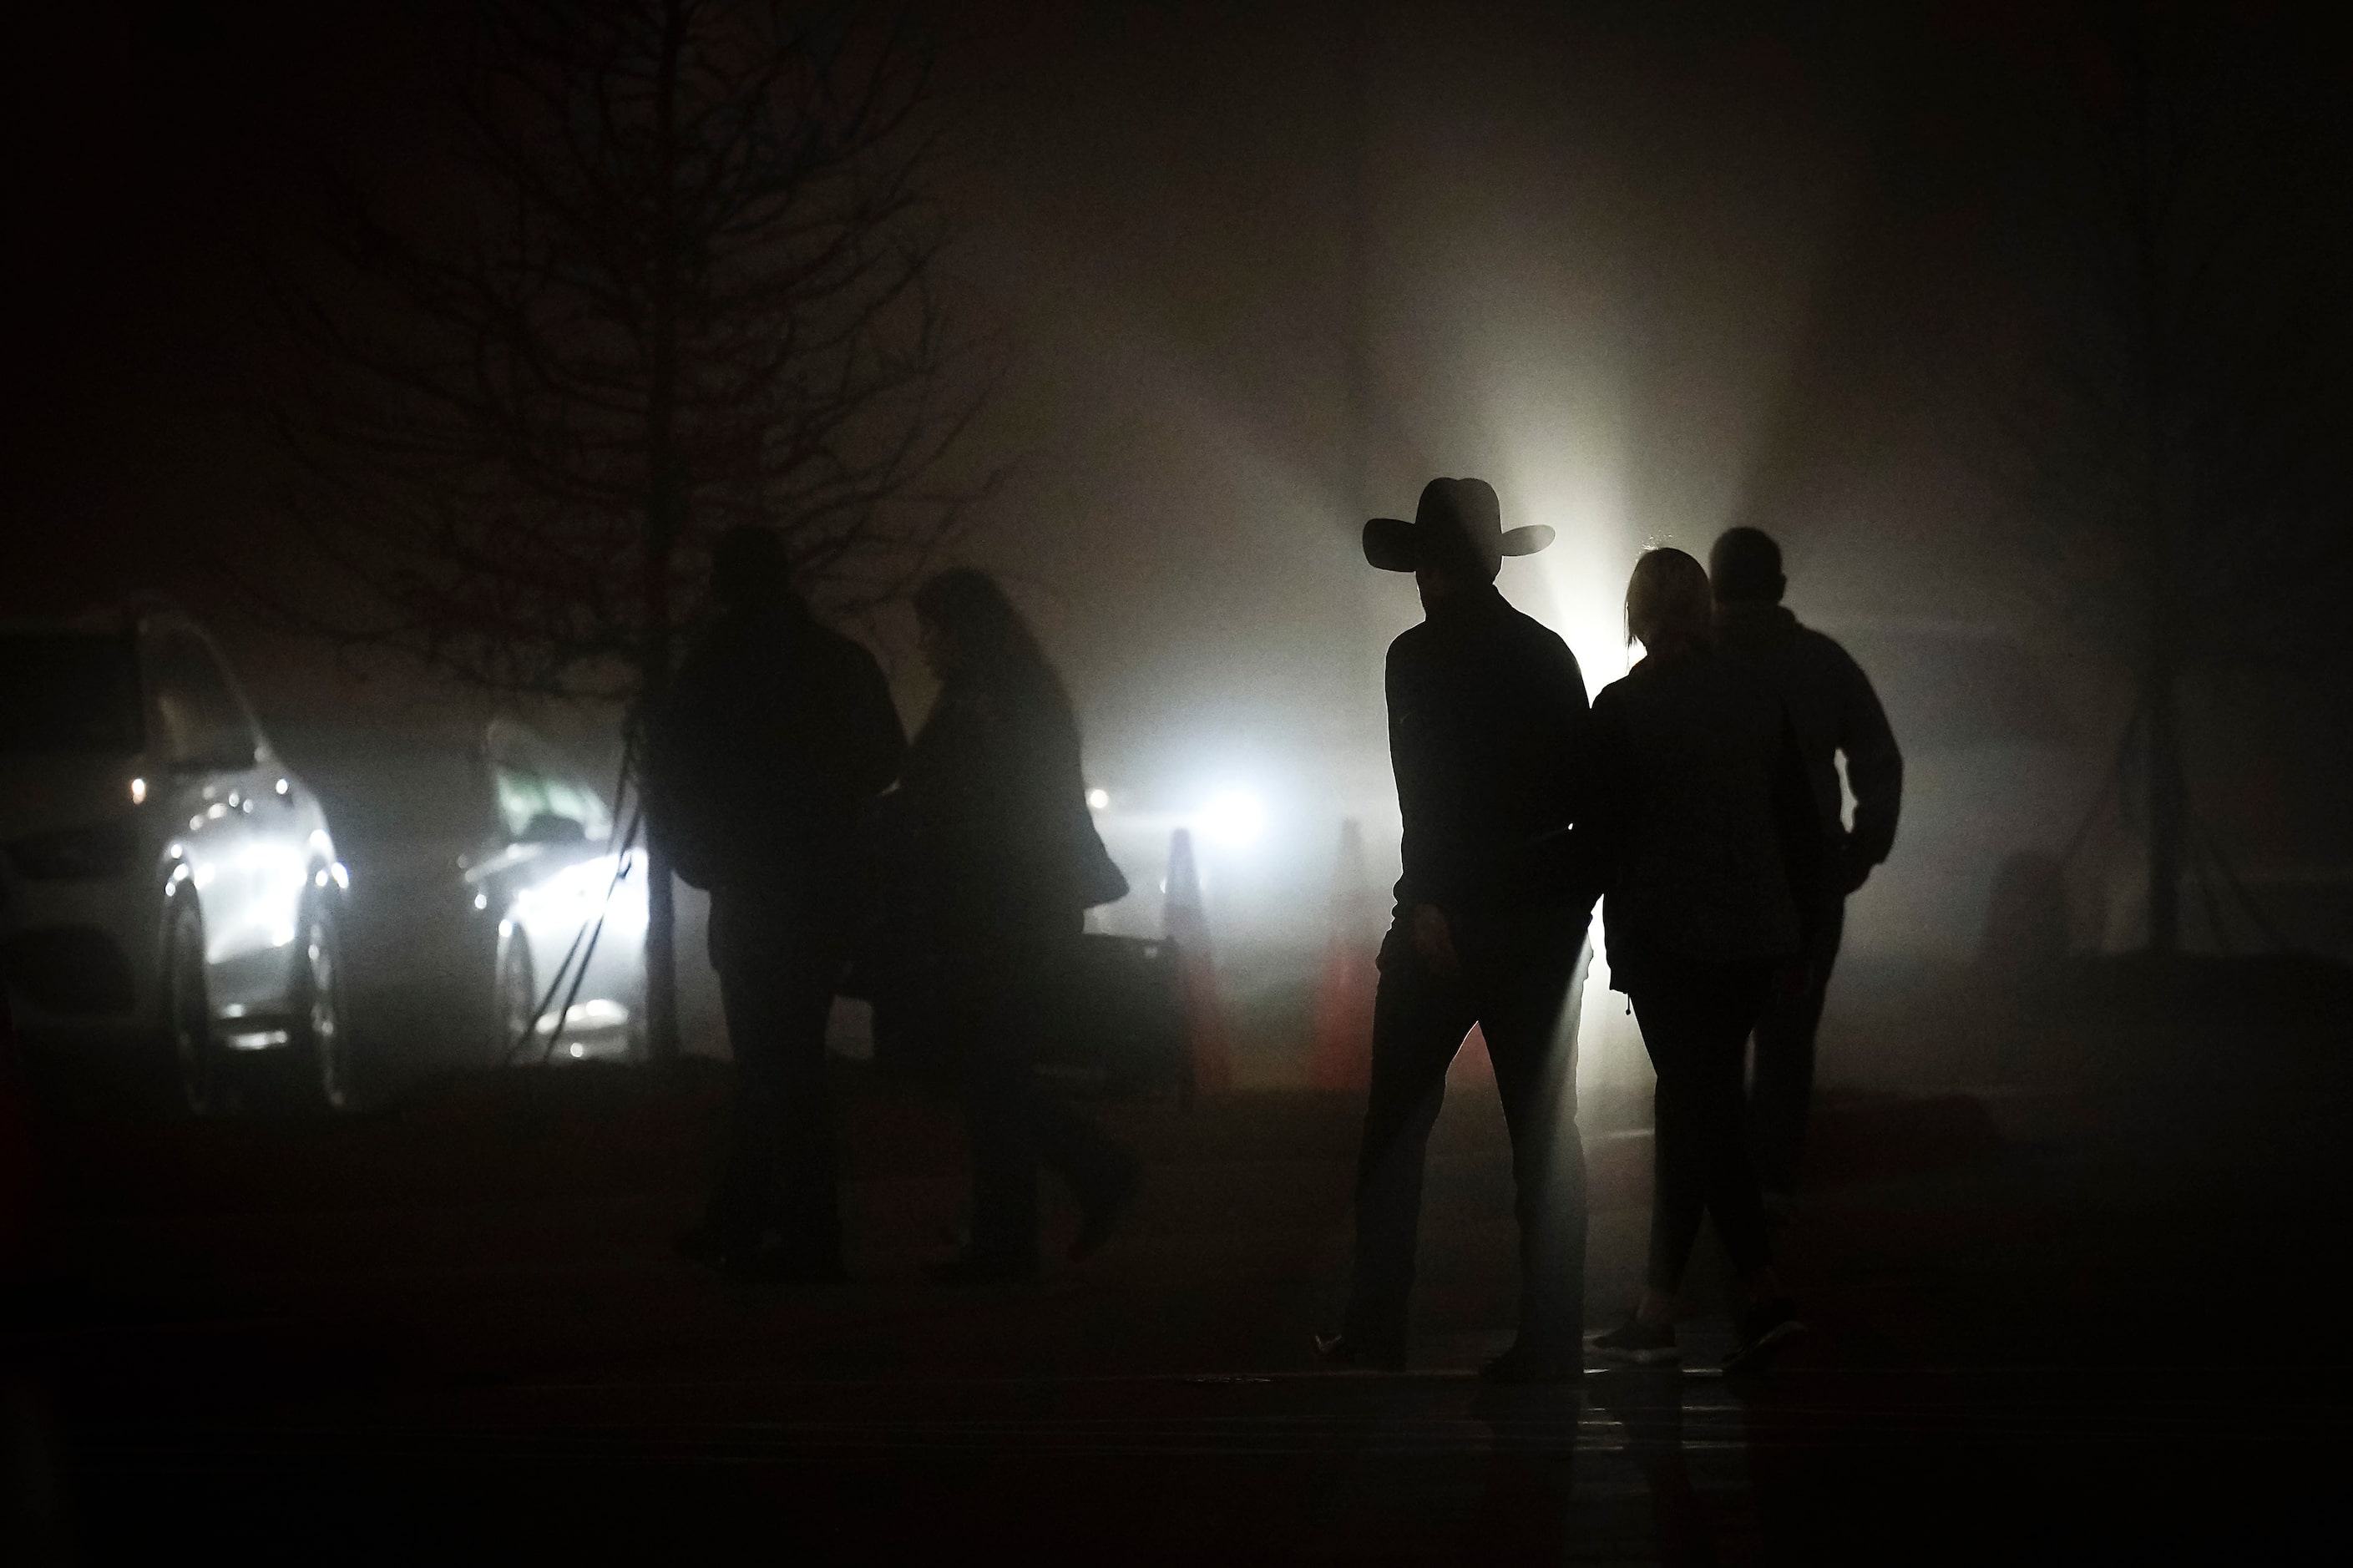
[
  {"x": 684, "y": 276},
  {"x": 2180, "y": 425}
]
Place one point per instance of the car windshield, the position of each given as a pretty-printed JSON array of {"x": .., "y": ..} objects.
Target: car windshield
[
  {"x": 393, "y": 793},
  {"x": 68, "y": 692}
]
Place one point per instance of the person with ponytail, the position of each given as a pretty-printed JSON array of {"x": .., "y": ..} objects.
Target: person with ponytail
[{"x": 1000, "y": 862}]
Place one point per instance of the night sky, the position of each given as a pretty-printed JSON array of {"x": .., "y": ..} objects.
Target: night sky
[{"x": 1650, "y": 270}]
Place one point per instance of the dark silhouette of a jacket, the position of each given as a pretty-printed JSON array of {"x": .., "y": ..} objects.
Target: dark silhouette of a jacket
[
  {"x": 1833, "y": 708},
  {"x": 991, "y": 820},
  {"x": 775, "y": 736},
  {"x": 1487, "y": 730},
  {"x": 1697, "y": 823}
]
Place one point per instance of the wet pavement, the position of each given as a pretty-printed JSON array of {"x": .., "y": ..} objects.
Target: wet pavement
[{"x": 2072, "y": 1319}]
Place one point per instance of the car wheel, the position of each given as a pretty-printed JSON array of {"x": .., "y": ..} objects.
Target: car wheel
[
  {"x": 516, "y": 1003},
  {"x": 193, "y": 1063},
  {"x": 323, "y": 1051}
]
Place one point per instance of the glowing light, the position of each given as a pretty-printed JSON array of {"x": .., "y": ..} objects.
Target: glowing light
[
  {"x": 1234, "y": 818},
  {"x": 1098, "y": 799},
  {"x": 139, "y": 791},
  {"x": 341, "y": 874},
  {"x": 481, "y": 900},
  {"x": 318, "y": 877},
  {"x": 283, "y": 787},
  {"x": 578, "y": 1051}
]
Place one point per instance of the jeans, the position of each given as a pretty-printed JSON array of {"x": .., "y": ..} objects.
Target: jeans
[
  {"x": 778, "y": 964},
  {"x": 1521, "y": 981},
  {"x": 1781, "y": 1089},
  {"x": 997, "y": 1000},
  {"x": 1695, "y": 1019}
]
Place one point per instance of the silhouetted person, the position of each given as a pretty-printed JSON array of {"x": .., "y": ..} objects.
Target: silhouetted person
[
  {"x": 999, "y": 862},
  {"x": 1698, "y": 826},
  {"x": 1487, "y": 722},
  {"x": 1833, "y": 711},
  {"x": 774, "y": 740}
]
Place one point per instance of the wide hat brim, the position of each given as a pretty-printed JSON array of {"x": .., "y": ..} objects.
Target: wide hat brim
[{"x": 1456, "y": 524}]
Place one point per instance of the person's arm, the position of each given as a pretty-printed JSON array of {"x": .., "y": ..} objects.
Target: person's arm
[
  {"x": 676, "y": 820},
  {"x": 1412, "y": 883},
  {"x": 1797, "y": 822},
  {"x": 1606, "y": 804},
  {"x": 1567, "y": 714},
  {"x": 1874, "y": 774},
  {"x": 877, "y": 740}
]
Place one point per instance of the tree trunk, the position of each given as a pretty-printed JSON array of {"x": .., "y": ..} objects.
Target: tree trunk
[
  {"x": 2169, "y": 805},
  {"x": 665, "y": 507}
]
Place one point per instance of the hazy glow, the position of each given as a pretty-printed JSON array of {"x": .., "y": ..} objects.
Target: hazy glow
[
  {"x": 138, "y": 792},
  {"x": 1098, "y": 800},
  {"x": 1234, "y": 818}
]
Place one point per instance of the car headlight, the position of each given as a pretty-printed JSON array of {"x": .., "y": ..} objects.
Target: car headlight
[{"x": 99, "y": 849}]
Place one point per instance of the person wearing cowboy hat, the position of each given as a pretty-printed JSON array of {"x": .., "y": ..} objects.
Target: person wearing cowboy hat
[{"x": 1487, "y": 730}]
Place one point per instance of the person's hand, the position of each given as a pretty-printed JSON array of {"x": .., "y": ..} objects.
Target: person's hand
[{"x": 1434, "y": 940}]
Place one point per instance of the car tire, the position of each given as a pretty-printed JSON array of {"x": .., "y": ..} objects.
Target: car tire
[
  {"x": 514, "y": 1000},
  {"x": 310, "y": 1074},
  {"x": 322, "y": 1055},
  {"x": 192, "y": 1069}
]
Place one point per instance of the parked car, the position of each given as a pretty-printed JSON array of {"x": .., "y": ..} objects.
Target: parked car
[
  {"x": 169, "y": 886},
  {"x": 492, "y": 919}
]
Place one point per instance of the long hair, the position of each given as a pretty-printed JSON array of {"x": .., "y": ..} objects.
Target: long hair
[
  {"x": 999, "y": 652},
  {"x": 1668, "y": 600}
]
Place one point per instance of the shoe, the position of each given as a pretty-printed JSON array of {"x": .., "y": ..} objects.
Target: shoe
[
  {"x": 1644, "y": 1344},
  {"x": 1346, "y": 1349},
  {"x": 1522, "y": 1365},
  {"x": 970, "y": 1267},
  {"x": 1762, "y": 1333},
  {"x": 1095, "y": 1226}
]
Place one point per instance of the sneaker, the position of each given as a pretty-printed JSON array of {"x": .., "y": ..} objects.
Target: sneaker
[
  {"x": 1762, "y": 1333},
  {"x": 1644, "y": 1344},
  {"x": 1520, "y": 1364},
  {"x": 1347, "y": 1349}
]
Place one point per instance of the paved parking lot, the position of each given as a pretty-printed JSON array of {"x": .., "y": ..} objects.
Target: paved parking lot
[{"x": 454, "y": 1328}]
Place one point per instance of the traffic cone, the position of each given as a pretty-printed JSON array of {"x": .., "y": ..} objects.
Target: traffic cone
[
  {"x": 1207, "y": 1035},
  {"x": 1341, "y": 1054},
  {"x": 1471, "y": 1068}
]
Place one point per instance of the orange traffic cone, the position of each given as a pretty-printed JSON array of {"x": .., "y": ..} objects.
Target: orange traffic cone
[
  {"x": 1342, "y": 1055},
  {"x": 1209, "y": 1035},
  {"x": 1471, "y": 1068}
]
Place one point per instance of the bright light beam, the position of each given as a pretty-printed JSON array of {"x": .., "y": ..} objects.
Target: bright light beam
[{"x": 1234, "y": 818}]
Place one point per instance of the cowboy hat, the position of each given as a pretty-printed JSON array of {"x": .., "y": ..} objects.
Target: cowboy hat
[{"x": 1456, "y": 524}]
